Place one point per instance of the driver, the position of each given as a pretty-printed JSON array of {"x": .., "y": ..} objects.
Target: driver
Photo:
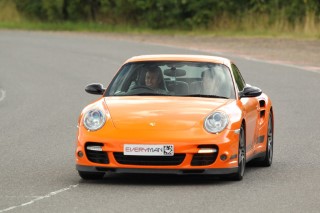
[{"x": 154, "y": 79}]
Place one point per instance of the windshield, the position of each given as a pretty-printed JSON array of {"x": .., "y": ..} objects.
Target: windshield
[{"x": 195, "y": 79}]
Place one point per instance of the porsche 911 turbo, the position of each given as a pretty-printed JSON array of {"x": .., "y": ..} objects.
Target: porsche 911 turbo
[{"x": 175, "y": 114}]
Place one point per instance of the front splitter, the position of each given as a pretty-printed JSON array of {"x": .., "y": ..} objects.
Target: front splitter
[{"x": 218, "y": 171}]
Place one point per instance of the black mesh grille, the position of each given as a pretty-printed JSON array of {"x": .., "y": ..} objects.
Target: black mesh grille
[
  {"x": 203, "y": 159},
  {"x": 96, "y": 156},
  {"x": 149, "y": 160}
]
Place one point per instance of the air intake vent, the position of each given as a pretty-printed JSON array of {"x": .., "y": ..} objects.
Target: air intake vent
[
  {"x": 94, "y": 155},
  {"x": 149, "y": 160},
  {"x": 203, "y": 159},
  {"x": 262, "y": 103},
  {"x": 206, "y": 155}
]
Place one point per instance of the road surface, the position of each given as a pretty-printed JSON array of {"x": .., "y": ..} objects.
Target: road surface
[{"x": 42, "y": 80}]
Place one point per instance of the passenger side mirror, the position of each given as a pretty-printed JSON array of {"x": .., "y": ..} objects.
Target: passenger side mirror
[
  {"x": 250, "y": 91},
  {"x": 96, "y": 89}
]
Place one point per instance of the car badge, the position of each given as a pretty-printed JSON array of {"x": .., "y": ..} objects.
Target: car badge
[{"x": 152, "y": 123}]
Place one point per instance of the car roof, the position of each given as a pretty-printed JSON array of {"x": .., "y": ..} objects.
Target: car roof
[{"x": 178, "y": 57}]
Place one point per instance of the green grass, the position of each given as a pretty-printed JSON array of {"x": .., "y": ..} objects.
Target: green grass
[
  {"x": 249, "y": 26},
  {"x": 62, "y": 26},
  {"x": 8, "y": 11},
  {"x": 96, "y": 27}
]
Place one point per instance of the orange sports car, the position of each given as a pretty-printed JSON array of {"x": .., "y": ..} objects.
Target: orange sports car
[{"x": 175, "y": 114}]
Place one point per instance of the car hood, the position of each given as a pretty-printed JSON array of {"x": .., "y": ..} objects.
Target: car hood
[{"x": 160, "y": 113}]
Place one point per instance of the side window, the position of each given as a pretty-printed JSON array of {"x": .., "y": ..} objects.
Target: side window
[{"x": 237, "y": 76}]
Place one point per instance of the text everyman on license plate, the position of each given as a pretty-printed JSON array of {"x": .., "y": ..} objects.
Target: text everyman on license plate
[{"x": 149, "y": 150}]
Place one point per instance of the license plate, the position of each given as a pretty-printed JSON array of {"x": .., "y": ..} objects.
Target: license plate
[{"x": 149, "y": 150}]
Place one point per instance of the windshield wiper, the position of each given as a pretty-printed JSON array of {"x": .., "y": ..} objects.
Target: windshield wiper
[
  {"x": 206, "y": 96},
  {"x": 141, "y": 94},
  {"x": 151, "y": 94}
]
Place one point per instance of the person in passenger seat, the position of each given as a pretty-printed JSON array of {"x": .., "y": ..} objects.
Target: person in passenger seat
[
  {"x": 212, "y": 83},
  {"x": 206, "y": 86},
  {"x": 208, "y": 83}
]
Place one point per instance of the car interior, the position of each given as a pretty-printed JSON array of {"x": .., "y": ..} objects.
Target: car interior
[{"x": 175, "y": 80}]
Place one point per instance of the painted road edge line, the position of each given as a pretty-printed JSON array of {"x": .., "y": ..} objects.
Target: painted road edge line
[
  {"x": 313, "y": 69},
  {"x": 2, "y": 94},
  {"x": 40, "y": 198}
]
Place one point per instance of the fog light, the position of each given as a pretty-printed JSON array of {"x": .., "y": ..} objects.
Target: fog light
[
  {"x": 207, "y": 150},
  {"x": 80, "y": 154},
  {"x": 94, "y": 148},
  {"x": 223, "y": 157}
]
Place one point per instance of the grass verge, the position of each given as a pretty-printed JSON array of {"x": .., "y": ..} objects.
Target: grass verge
[{"x": 96, "y": 27}]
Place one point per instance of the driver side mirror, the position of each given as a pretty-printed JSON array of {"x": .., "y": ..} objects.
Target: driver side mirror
[
  {"x": 96, "y": 89},
  {"x": 250, "y": 91}
]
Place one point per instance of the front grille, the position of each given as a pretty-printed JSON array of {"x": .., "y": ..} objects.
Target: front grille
[
  {"x": 96, "y": 156},
  {"x": 203, "y": 159},
  {"x": 149, "y": 160}
]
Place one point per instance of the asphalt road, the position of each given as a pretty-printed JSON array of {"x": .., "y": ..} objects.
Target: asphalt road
[{"x": 42, "y": 80}]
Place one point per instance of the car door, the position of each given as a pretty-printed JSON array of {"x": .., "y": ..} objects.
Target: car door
[{"x": 250, "y": 108}]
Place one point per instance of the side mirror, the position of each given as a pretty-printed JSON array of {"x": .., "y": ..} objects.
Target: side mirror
[
  {"x": 250, "y": 91},
  {"x": 96, "y": 89}
]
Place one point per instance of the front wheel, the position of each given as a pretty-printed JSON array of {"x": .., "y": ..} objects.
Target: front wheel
[
  {"x": 241, "y": 156},
  {"x": 91, "y": 175}
]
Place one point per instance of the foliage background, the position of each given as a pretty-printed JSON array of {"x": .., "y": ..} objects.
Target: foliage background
[{"x": 298, "y": 16}]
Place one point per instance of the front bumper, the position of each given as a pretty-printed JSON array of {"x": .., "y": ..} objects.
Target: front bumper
[
  {"x": 186, "y": 152},
  {"x": 157, "y": 171}
]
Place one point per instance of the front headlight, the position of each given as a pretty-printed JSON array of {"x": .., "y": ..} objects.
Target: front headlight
[
  {"x": 216, "y": 122},
  {"x": 94, "y": 119}
]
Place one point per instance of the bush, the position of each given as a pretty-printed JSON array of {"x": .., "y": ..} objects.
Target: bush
[{"x": 178, "y": 14}]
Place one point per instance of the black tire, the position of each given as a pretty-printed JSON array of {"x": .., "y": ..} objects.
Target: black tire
[
  {"x": 91, "y": 175},
  {"x": 241, "y": 157},
  {"x": 267, "y": 160}
]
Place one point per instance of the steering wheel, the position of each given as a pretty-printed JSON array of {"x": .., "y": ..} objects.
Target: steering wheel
[{"x": 142, "y": 87}]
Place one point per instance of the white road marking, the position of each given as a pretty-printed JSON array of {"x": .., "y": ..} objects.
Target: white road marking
[
  {"x": 39, "y": 198},
  {"x": 2, "y": 94},
  {"x": 267, "y": 61},
  {"x": 246, "y": 57},
  {"x": 282, "y": 63}
]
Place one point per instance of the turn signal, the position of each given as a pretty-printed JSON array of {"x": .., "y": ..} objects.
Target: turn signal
[
  {"x": 207, "y": 150},
  {"x": 94, "y": 148}
]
